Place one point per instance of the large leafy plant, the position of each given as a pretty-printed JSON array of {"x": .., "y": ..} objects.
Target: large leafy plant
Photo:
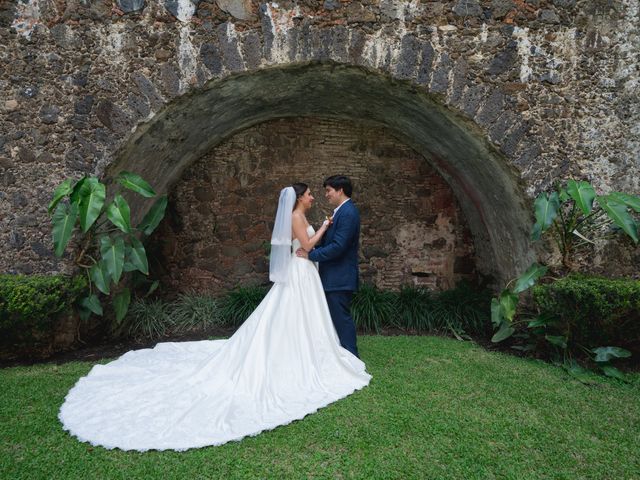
[
  {"x": 573, "y": 216},
  {"x": 109, "y": 245}
]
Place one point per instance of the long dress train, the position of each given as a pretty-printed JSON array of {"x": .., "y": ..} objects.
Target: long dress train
[{"x": 283, "y": 363}]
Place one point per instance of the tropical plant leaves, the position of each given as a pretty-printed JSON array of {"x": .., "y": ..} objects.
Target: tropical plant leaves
[
  {"x": 136, "y": 257},
  {"x": 153, "y": 217},
  {"x": 496, "y": 312},
  {"x": 113, "y": 256},
  {"x": 611, "y": 371},
  {"x": 618, "y": 212},
  {"x": 630, "y": 201},
  {"x": 121, "y": 304},
  {"x": 508, "y": 304},
  {"x": 61, "y": 191},
  {"x": 92, "y": 303},
  {"x": 604, "y": 354},
  {"x": 64, "y": 220},
  {"x": 504, "y": 332},
  {"x": 541, "y": 320},
  {"x": 119, "y": 213},
  {"x": 529, "y": 278},
  {"x": 546, "y": 210},
  {"x": 77, "y": 189},
  {"x": 135, "y": 182},
  {"x": 557, "y": 340},
  {"x": 579, "y": 373},
  {"x": 583, "y": 194},
  {"x": 100, "y": 277},
  {"x": 92, "y": 196}
]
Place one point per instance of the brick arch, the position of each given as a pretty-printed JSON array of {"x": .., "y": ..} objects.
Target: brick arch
[{"x": 488, "y": 190}]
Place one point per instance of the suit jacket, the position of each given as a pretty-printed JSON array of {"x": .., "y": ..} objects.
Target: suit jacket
[{"x": 337, "y": 254}]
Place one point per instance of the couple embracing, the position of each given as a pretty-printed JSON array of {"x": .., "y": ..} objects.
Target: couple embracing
[{"x": 295, "y": 353}]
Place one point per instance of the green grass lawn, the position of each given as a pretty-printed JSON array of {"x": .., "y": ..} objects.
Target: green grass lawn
[{"x": 436, "y": 408}]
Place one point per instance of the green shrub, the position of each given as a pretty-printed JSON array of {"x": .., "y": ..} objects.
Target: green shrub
[
  {"x": 149, "y": 319},
  {"x": 415, "y": 309},
  {"x": 238, "y": 304},
  {"x": 373, "y": 309},
  {"x": 592, "y": 311},
  {"x": 192, "y": 311},
  {"x": 30, "y": 305},
  {"x": 464, "y": 309}
]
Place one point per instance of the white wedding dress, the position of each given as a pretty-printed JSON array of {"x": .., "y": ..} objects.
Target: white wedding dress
[{"x": 283, "y": 363}]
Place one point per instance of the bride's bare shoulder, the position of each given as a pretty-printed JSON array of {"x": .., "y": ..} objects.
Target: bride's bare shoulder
[{"x": 298, "y": 216}]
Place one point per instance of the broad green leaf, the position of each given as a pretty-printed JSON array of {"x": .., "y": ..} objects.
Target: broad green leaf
[
  {"x": 546, "y": 210},
  {"x": 77, "y": 189},
  {"x": 557, "y": 340},
  {"x": 113, "y": 256},
  {"x": 84, "y": 313},
  {"x": 496, "y": 312},
  {"x": 100, "y": 277},
  {"x": 64, "y": 220},
  {"x": 583, "y": 194},
  {"x": 541, "y": 320},
  {"x": 524, "y": 348},
  {"x": 604, "y": 354},
  {"x": 135, "y": 182},
  {"x": 563, "y": 195},
  {"x": 505, "y": 331},
  {"x": 128, "y": 266},
  {"x": 137, "y": 256},
  {"x": 611, "y": 371},
  {"x": 121, "y": 304},
  {"x": 153, "y": 287},
  {"x": 62, "y": 191},
  {"x": 579, "y": 373},
  {"x": 119, "y": 214},
  {"x": 630, "y": 201},
  {"x": 153, "y": 217},
  {"x": 618, "y": 213},
  {"x": 92, "y": 303},
  {"x": 529, "y": 278},
  {"x": 92, "y": 197},
  {"x": 508, "y": 303}
]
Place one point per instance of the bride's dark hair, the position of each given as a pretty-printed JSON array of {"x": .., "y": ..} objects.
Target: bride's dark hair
[{"x": 299, "y": 188}]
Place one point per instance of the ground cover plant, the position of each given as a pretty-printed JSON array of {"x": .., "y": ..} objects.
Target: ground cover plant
[{"x": 436, "y": 408}]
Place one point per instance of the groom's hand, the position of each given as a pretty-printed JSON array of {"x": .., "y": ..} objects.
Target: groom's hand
[{"x": 301, "y": 252}]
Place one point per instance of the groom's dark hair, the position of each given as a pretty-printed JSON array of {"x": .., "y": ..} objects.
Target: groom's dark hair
[{"x": 339, "y": 182}]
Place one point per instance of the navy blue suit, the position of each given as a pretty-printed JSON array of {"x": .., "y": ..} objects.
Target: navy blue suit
[{"x": 337, "y": 256}]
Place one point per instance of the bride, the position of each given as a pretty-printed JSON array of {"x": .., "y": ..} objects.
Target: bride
[{"x": 283, "y": 363}]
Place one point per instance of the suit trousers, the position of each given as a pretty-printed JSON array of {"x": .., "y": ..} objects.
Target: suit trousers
[{"x": 340, "y": 309}]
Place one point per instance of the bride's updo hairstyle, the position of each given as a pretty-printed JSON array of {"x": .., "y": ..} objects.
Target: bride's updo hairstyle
[{"x": 299, "y": 188}]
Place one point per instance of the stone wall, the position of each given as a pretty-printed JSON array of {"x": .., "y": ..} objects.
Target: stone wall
[
  {"x": 502, "y": 97},
  {"x": 222, "y": 211}
]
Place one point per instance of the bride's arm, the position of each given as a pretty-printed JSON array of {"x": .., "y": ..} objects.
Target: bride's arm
[{"x": 300, "y": 232}]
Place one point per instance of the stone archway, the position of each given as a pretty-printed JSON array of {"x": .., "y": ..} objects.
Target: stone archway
[{"x": 488, "y": 190}]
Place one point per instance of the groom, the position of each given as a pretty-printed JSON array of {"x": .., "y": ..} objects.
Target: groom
[{"x": 338, "y": 258}]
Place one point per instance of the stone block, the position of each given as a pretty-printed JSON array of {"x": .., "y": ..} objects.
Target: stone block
[
  {"x": 129, "y": 6},
  {"x": 500, "y": 8},
  {"x": 467, "y": 8},
  {"x": 49, "y": 114},
  {"x": 409, "y": 53},
  {"x": 548, "y": 16},
  {"x": 84, "y": 105},
  {"x": 252, "y": 50},
  {"x": 241, "y": 9},
  {"x": 211, "y": 58}
]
